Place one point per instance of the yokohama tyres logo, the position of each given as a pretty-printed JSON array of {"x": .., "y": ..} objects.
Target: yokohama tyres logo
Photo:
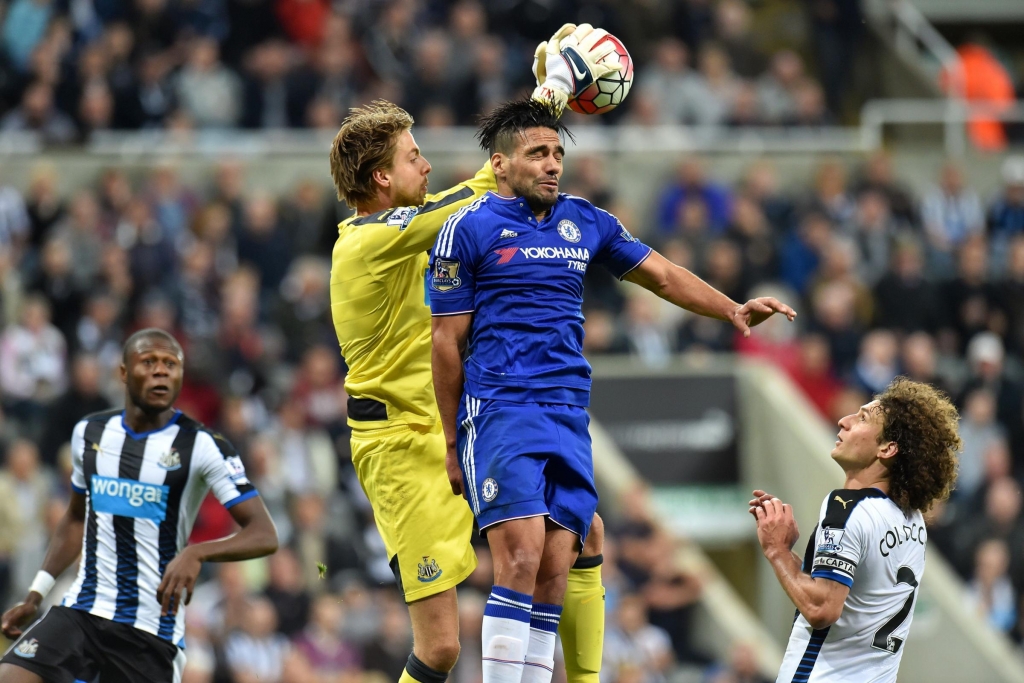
[{"x": 506, "y": 254}]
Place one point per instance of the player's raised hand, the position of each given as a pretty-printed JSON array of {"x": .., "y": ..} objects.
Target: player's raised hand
[
  {"x": 19, "y": 615},
  {"x": 180, "y": 574},
  {"x": 546, "y": 51},
  {"x": 758, "y": 500},
  {"x": 756, "y": 311},
  {"x": 451, "y": 466},
  {"x": 776, "y": 527}
]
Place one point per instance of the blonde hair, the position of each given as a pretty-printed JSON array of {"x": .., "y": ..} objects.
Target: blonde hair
[{"x": 365, "y": 143}]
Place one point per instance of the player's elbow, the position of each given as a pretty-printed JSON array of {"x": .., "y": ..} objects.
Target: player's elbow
[
  {"x": 266, "y": 540},
  {"x": 823, "y": 616}
]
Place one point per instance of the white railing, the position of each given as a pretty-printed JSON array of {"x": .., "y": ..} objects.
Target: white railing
[{"x": 917, "y": 41}]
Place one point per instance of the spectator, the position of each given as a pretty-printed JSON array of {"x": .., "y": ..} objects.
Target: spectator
[
  {"x": 813, "y": 373},
  {"x": 56, "y": 282},
  {"x": 691, "y": 183},
  {"x": 303, "y": 21},
  {"x": 803, "y": 249},
  {"x": 978, "y": 430},
  {"x": 761, "y": 184},
  {"x": 388, "y": 653},
  {"x": 830, "y": 195},
  {"x": 742, "y": 668},
  {"x": 875, "y": 230},
  {"x": 878, "y": 362},
  {"x": 263, "y": 243},
  {"x": 85, "y": 237},
  {"x": 719, "y": 84},
  {"x": 986, "y": 355},
  {"x": 776, "y": 89},
  {"x": 837, "y": 29},
  {"x": 209, "y": 93},
  {"x": 672, "y": 86},
  {"x": 81, "y": 399},
  {"x": 256, "y": 652},
  {"x": 750, "y": 230},
  {"x": 287, "y": 593},
  {"x": 43, "y": 203},
  {"x": 428, "y": 85},
  {"x": 905, "y": 300},
  {"x": 970, "y": 299},
  {"x": 919, "y": 360},
  {"x": 23, "y": 28},
  {"x": 732, "y": 23},
  {"x": 1009, "y": 292},
  {"x": 32, "y": 486},
  {"x": 951, "y": 212},
  {"x": 275, "y": 94},
  {"x": 1006, "y": 213},
  {"x": 327, "y": 652},
  {"x": 632, "y": 641},
  {"x": 148, "y": 100},
  {"x": 32, "y": 358},
  {"x": 990, "y": 592},
  {"x": 37, "y": 113},
  {"x": 834, "y": 316},
  {"x": 877, "y": 175}
]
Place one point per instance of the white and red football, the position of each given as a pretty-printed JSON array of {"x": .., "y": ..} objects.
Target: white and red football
[{"x": 608, "y": 92}]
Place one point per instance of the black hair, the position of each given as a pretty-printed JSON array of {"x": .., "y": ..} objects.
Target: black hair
[
  {"x": 149, "y": 333},
  {"x": 498, "y": 131}
]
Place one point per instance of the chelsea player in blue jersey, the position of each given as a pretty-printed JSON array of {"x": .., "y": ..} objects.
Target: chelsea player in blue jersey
[{"x": 511, "y": 381}]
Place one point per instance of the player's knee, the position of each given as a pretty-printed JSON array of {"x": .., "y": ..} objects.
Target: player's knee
[
  {"x": 521, "y": 564},
  {"x": 441, "y": 654},
  {"x": 595, "y": 538}
]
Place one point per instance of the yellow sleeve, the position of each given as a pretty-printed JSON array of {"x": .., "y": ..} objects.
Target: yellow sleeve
[{"x": 391, "y": 236}]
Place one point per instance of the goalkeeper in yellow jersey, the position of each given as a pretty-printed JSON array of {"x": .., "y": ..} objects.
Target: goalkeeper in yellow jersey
[{"x": 382, "y": 318}]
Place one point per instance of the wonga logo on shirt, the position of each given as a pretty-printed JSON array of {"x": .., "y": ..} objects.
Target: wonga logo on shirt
[{"x": 128, "y": 498}]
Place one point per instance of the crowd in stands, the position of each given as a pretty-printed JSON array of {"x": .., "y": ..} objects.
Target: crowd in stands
[{"x": 70, "y": 68}]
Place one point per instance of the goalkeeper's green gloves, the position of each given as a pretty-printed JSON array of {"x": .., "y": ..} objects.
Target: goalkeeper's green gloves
[{"x": 569, "y": 62}]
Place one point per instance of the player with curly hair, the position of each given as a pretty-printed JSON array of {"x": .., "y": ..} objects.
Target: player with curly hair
[{"x": 899, "y": 453}]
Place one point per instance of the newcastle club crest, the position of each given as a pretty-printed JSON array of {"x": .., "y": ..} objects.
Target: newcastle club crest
[{"x": 427, "y": 570}]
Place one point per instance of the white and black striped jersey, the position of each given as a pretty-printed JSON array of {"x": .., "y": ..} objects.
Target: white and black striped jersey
[
  {"x": 142, "y": 494},
  {"x": 863, "y": 540}
]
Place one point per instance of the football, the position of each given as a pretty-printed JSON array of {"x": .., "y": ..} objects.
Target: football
[{"x": 606, "y": 93}]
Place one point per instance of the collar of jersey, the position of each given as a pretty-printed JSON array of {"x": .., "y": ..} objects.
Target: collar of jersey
[
  {"x": 523, "y": 208},
  {"x": 142, "y": 435}
]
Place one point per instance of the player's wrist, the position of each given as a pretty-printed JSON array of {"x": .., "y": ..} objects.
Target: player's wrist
[{"x": 42, "y": 584}]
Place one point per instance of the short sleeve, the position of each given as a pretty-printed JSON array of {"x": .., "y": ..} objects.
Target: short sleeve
[
  {"x": 840, "y": 541},
  {"x": 452, "y": 281},
  {"x": 619, "y": 252},
  {"x": 77, "y": 456},
  {"x": 222, "y": 469}
]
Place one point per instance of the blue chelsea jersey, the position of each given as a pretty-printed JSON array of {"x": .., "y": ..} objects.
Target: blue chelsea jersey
[{"x": 523, "y": 283}]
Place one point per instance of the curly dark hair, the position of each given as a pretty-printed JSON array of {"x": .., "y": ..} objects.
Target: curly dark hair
[
  {"x": 499, "y": 130},
  {"x": 366, "y": 142},
  {"x": 922, "y": 421}
]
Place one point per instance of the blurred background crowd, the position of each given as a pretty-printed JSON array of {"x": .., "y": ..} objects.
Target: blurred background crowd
[
  {"x": 70, "y": 68},
  {"x": 887, "y": 281}
]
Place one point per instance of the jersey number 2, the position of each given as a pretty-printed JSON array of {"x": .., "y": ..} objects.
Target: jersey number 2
[{"x": 884, "y": 639}]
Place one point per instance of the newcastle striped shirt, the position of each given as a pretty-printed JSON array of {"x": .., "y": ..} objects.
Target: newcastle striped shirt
[{"x": 142, "y": 493}]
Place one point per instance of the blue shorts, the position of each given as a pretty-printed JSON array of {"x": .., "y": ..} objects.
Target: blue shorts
[{"x": 526, "y": 460}]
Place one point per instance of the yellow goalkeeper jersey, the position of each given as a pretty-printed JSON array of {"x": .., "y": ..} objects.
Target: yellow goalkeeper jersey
[{"x": 379, "y": 302}]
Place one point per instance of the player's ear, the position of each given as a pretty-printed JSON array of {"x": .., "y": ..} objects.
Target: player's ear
[
  {"x": 887, "y": 450},
  {"x": 498, "y": 164},
  {"x": 382, "y": 177},
  {"x": 124, "y": 374}
]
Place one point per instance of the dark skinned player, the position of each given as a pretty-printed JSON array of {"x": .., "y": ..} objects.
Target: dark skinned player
[{"x": 139, "y": 475}]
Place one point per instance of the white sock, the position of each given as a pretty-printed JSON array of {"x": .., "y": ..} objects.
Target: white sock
[
  {"x": 540, "y": 653},
  {"x": 505, "y": 635}
]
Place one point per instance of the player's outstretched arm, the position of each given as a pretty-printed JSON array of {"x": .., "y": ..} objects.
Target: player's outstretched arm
[
  {"x": 684, "y": 289},
  {"x": 450, "y": 334},
  {"x": 65, "y": 546},
  {"x": 256, "y": 538},
  {"x": 819, "y": 600}
]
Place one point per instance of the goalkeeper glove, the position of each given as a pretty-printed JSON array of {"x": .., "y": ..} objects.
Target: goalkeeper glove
[{"x": 569, "y": 63}]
